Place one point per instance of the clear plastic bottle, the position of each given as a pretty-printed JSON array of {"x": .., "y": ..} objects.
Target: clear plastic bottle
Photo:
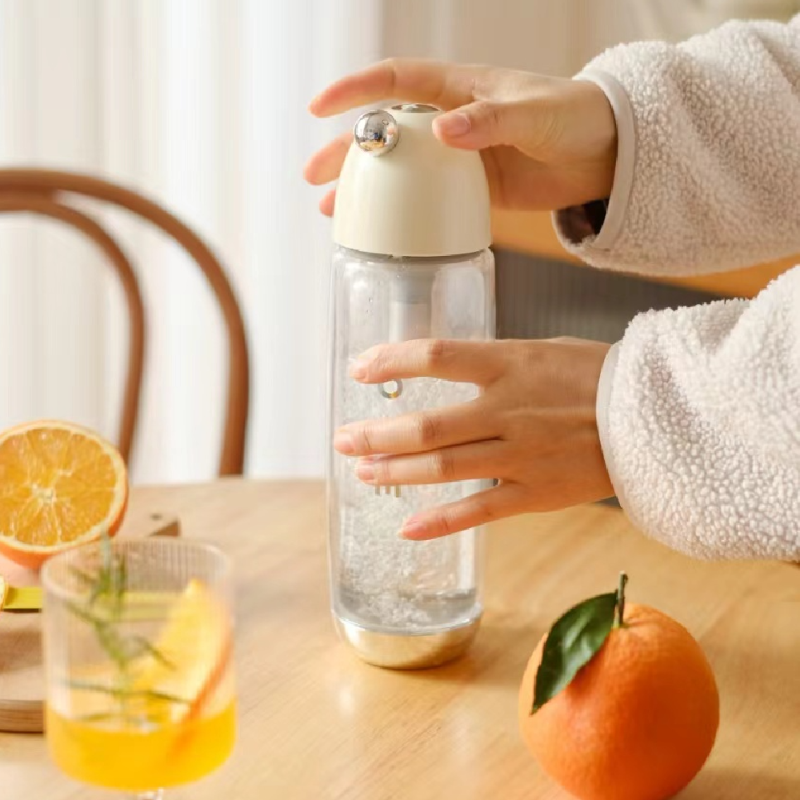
[{"x": 402, "y": 603}]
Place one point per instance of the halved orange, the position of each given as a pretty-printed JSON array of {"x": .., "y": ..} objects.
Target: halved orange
[{"x": 61, "y": 485}]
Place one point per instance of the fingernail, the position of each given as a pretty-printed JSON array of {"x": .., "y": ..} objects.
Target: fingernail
[
  {"x": 365, "y": 470},
  {"x": 453, "y": 124},
  {"x": 412, "y": 529},
  {"x": 343, "y": 442}
]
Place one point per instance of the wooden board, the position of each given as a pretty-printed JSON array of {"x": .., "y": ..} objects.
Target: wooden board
[{"x": 21, "y": 676}]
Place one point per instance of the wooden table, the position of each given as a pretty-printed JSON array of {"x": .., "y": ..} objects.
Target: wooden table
[
  {"x": 532, "y": 232},
  {"x": 317, "y": 723}
]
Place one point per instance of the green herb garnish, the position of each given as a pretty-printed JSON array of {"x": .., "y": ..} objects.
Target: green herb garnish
[{"x": 104, "y": 610}]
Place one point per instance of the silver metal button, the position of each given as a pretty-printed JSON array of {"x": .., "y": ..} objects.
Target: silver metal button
[{"x": 376, "y": 132}]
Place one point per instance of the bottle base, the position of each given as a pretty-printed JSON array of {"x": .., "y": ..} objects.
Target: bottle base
[{"x": 407, "y": 651}]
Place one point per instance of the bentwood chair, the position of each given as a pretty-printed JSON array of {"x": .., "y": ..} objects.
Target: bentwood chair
[{"x": 51, "y": 194}]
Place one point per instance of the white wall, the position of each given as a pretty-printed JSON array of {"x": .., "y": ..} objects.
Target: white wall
[{"x": 552, "y": 36}]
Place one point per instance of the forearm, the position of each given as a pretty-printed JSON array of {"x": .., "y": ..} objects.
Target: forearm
[
  {"x": 699, "y": 416},
  {"x": 708, "y": 167}
]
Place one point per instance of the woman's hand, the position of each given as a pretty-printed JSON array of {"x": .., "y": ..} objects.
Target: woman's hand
[
  {"x": 533, "y": 427},
  {"x": 547, "y": 143}
]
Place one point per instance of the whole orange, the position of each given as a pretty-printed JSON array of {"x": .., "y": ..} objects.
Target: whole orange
[{"x": 637, "y": 722}]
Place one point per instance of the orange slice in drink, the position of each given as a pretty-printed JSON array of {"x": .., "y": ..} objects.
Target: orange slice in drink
[
  {"x": 190, "y": 656},
  {"x": 61, "y": 485}
]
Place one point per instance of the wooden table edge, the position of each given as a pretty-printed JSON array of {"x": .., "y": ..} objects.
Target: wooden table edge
[{"x": 532, "y": 232}]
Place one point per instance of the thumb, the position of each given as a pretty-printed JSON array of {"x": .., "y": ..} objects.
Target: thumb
[{"x": 486, "y": 123}]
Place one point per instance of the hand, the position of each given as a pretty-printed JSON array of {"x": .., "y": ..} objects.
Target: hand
[
  {"x": 547, "y": 143},
  {"x": 533, "y": 427}
]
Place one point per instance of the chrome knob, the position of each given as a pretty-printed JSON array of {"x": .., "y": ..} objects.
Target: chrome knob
[
  {"x": 416, "y": 108},
  {"x": 376, "y": 132}
]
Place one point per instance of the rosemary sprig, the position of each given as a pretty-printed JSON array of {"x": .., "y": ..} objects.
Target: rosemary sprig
[
  {"x": 116, "y": 691},
  {"x": 104, "y": 611},
  {"x": 100, "y": 716},
  {"x": 148, "y": 647}
]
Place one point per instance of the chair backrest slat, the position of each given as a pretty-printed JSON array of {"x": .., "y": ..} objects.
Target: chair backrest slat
[{"x": 47, "y": 192}]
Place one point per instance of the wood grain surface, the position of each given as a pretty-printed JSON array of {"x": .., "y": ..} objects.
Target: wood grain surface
[
  {"x": 532, "y": 232},
  {"x": 317, "y": 723},
  {"x": 21, "y": 675}
]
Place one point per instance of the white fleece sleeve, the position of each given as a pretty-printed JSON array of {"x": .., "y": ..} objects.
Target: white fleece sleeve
[
  {"x": 708, "y": 165},
  {"x": 699, "y": 418}
]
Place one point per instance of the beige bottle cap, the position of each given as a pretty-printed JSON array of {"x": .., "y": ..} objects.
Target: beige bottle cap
[{"x": 403, "y": 193}]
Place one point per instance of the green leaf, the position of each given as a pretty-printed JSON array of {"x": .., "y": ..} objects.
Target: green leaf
[
  {"x": 100, "y": 716},
  {"x": 155, "y": 652},
  {"x": 115, "y": 691},
  {"x": 572, "y": 642}
]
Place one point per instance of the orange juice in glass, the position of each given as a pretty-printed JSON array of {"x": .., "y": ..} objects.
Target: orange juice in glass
[{"x": 138, "y": 640}]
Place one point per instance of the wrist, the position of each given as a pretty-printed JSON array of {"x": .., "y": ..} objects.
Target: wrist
[
  {"x": 600, "y": 467},
  {"x": 597, "y": 123},
  {"x": 602, "y": 113},
  {"x": 602, "y": 403},
  {"x": 577, "y": 232}
]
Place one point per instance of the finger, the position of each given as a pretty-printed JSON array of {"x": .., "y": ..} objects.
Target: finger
[
  {"x": 502, "y": 501},
  {"x": 327, "y": 203},
  {"x": 526, "y": 124},
  {"x": 461, "y": 463},
  {"x": 418, "y": 81},
  {"x": 419, "y": 432},
  {"x": 326, "y": 164},
  {"x": 471, "y": 362}
]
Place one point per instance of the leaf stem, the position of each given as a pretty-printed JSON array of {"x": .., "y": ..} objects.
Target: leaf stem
[
  {"x": 623, "y": 580},
  {"x": 107, "y": 612},
  {"x": 115, "y": 691}
]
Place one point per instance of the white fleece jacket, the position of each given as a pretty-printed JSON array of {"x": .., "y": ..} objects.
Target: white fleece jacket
[{"x": 699, "y": 408}]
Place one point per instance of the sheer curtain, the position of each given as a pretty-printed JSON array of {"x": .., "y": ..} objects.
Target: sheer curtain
[{"x": 201, "y": 104}]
